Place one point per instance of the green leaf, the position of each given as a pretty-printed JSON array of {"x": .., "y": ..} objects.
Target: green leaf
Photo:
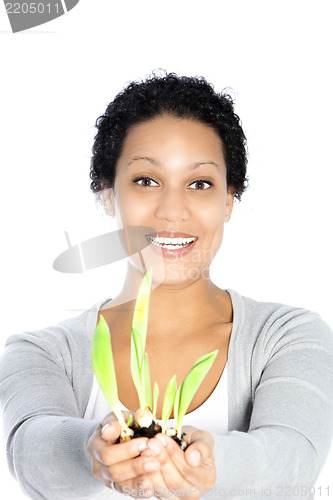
[
  {"x": 147, "y": 382},
  {"x": 103, "y": 365},
  {"x": 136, "y": 350},
  {"x": 130, "y": 420},
  {"x": 140, "y": 315},
  {"x": 169, "y": 400},
  {"x": 176, "y": 409},
  {"x": 138, "y": 337},
  {"x": 190, "y": 385},
  {"x": 155, "y": 398}
]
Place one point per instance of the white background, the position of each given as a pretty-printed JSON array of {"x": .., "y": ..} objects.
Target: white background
[{"x": 57, "y": 78}]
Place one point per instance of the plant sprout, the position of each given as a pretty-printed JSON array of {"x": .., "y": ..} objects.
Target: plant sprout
[
  {"x": 149, "y": 401},
  {"x": 177, "y": 400},
  {"x": 168, "y": 402},
  {"x": 103, "y": 365},
  {"x": 139, "y": 359},
  {"x": 189, "y": 387},
  {"x": 155, "y": 398}
]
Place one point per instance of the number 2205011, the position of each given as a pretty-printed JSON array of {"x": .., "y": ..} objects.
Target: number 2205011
[{"x": 32, "y": 8}]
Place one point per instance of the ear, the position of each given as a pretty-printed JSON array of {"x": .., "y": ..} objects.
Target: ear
[
  {"x": 108, "y": 201},
  {"x": 229, "y": 203}
]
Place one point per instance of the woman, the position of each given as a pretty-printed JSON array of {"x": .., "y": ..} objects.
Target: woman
[{"x": 170, "y": 155}]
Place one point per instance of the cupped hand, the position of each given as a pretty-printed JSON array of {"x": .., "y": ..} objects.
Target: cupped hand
[
  {"x": 182, "y": 474},
  {"x": 121, "y": 466}
]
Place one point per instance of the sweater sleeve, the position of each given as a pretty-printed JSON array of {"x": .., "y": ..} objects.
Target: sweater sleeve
[
  {"x": 45, "y": 432},
  {"x": 285, "y": 447}
]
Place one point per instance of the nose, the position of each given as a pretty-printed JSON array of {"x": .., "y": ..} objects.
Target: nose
[{"x": 172, "y": 206}]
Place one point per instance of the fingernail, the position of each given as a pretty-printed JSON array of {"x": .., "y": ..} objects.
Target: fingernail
[
  {"x": 105, "y": 426},
  {"x": 151, "y": 466},
  {"x": 143, "y": 485},
  {"x": 195, "y": 458},
  {"x": 143, "y": 446},
  {"x": 162, "y": 439},
  {"x": 153, "y": 446}
]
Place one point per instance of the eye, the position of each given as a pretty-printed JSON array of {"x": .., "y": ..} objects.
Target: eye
[
  {"x": 145, "y": 181},
  {"x": 200, "y": 185}
]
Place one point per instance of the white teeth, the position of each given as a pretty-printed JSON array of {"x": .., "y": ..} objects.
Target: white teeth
[{"x": 170, "y": 243}]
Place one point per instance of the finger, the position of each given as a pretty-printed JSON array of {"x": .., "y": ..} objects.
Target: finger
[
  {"x": 170, "y": 445},
  {"x": 200, "y": 446},
  {"x": 140, "y": 487},
  {"x": 101, "y": 472},
  {"x": 111, "y": 431},
  {"x": 162, "y": 490},
  {"x": 111, "y": 428},
  {"x": 199, "y": 454},
  {"x": 156, "y": 478},
  {"x": 202, "y": 474},
  {"x": 114, "y": 453},
  {"x": 131, "y": 469},
  {"x": 164, "y": 447},
  {"x": 191, "y": 435},
  {"x": 96, "y": 446},
  {"x": 154, "y": 485}
]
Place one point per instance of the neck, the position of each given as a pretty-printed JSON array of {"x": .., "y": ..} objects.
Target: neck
[{"x": 193, "y": 302}]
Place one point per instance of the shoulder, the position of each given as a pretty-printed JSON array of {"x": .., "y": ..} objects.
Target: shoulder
[
  {"x": 64, "y": 344},
  {"x": 77, "y": 328},
  {"x": 52, "y": 338},
  {"x": 270, "y": 325}
]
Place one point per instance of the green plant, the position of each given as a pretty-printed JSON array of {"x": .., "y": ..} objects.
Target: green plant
[
  {"x": 103, "y": 365},
  {"x": 189, "y": 387},
  {"x": 155, "y": 398},
  {"x": 139, "y": 362},
  {"x": 174, "y": 399},
  {"x": 168, "y": 401}
]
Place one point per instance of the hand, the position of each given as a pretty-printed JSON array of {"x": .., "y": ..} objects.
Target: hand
[
  {"x": 185, "y": 474},
  {"x": 120, "y": 466}
]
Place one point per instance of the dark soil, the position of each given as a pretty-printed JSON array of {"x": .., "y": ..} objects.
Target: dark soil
[
  {"x": 148, "y": 432},
  {"x": 152, "y": 430},
  {"x": 180, "y": 442}
]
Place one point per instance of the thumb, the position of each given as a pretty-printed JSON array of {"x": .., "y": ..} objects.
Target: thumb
[
  {"x": 193, "y": 435},
  {"x": 200, "y": 447},
  {"x": 111, "y": 428},
  {"x": 193, "y": 458},
  {"x": 111, "y": 432}
]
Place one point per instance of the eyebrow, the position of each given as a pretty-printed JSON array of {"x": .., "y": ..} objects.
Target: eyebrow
[{"x": 158, "y": 164}]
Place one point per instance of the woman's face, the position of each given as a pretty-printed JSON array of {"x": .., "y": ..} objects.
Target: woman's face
[{"x": 171, "y": 176}]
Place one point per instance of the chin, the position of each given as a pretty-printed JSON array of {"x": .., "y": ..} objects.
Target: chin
[{"x": 169, "y": 272}]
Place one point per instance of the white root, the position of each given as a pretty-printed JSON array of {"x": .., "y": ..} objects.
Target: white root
[
  {"x": 144, "y": 417},
  {"x": 126, "y": 434}
]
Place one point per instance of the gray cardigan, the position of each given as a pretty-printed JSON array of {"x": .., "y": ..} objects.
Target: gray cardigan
[{"x": 280, "y": 404}]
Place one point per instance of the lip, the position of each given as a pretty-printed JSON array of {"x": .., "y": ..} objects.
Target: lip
[{"x": 168, "y": 252}]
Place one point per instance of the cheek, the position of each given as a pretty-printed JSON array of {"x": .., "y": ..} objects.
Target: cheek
[
  {"x": 212, "y": 227},
  {"x": 127, "y": 207},
  {"x": 215, "y": 232},
  {"x": 212, "y": 218}
]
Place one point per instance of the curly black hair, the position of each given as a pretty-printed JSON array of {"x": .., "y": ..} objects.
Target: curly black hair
[{"x": 179, "y": 96}]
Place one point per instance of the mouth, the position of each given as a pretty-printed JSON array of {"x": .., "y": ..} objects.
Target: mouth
[{"x": 171, "y": 243}]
